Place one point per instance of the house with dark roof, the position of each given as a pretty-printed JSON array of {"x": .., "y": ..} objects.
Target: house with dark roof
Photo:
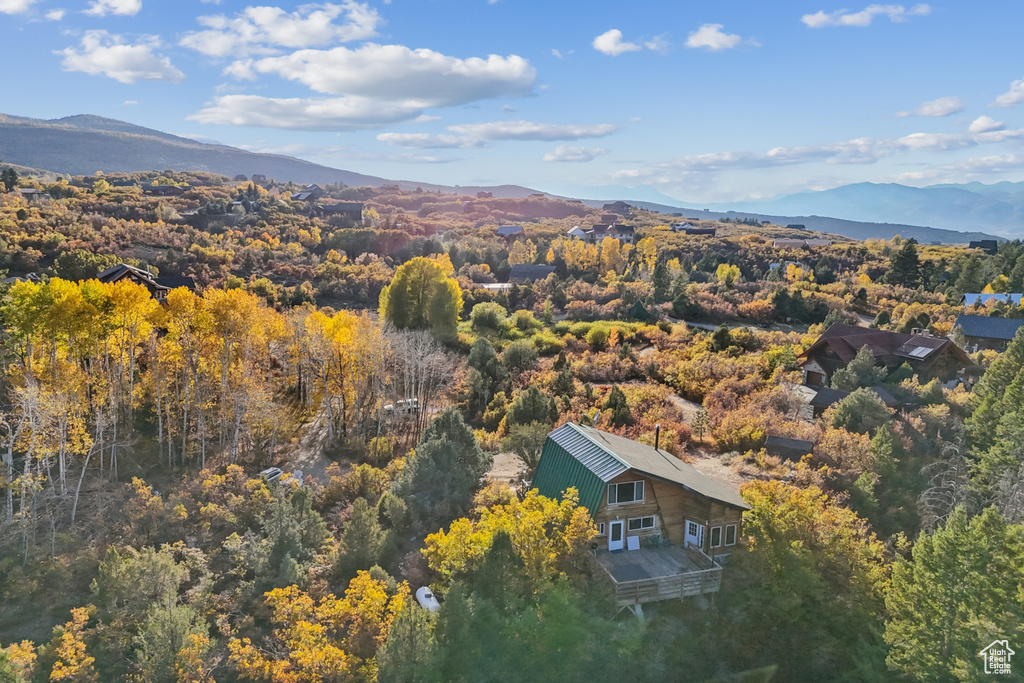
[
  {"x": 700, "y": 232},
  {"x": 525, "y": 272},
  {"x": 987, "y": 246},
  {"x": 157, "y": 286},
  {"x": 165, "y": 190},
  {"x": 929, "y": 356},
  {"x": 787, "y": 448},
  {"x": 625, "y": 234},
  {"x": 511, "y": 233},
  {"x": 825, "y": 397},
  {"x": 660, "y": 521},
  {"x": 309, "y": 193},
  {"x": 620, "y": 207},
  {"x": 342, "y": 214},
  {"x": 984, "y": 332}
]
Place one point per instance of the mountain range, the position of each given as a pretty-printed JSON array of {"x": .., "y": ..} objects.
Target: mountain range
[
  {"x": 84, "y": 144},
  {"x": 967, "y": 207}
]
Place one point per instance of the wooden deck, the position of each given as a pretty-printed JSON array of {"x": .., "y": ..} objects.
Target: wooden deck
[{"x": 652, "y": 574}]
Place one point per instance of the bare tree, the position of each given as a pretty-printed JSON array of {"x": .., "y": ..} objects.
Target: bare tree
[{"x": 948, "y": 486}]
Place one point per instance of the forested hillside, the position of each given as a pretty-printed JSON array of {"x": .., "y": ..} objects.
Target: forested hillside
[{"x": 139, "y": 541}]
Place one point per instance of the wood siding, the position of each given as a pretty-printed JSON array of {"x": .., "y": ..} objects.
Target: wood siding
[{"x": 671, "y": 505}]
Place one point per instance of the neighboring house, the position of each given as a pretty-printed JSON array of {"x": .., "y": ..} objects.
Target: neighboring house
[
  {"x": 826, "y": 397},
  {"x": 789, "y": 449},
  {"x": 157, "y": 286},
  {"x": 524, "y": 272},
  {"x": 259, "y": 178},
  {"x": 625, "y": 234},
  {"x": 701, "y": 232},
  {"x": 484, "y": 195},
  {"x": 621, "y": 208},
  {"x": 240, "y": 178},
  {"x": 309, "y": 193},
  {"x": 640, "y": 495},
  {"x": 165, "y": 190},
  {"x": 511, "y": 233},
  {"x": 682, "y": 227},
  {"x": 576, "y": 233},
  {"x": 987, "y": 246},
  {"x": 342, "y": 214},
  {"x": 32, "y": 194},
  {"x": 984, "y": 332},
  {"x": 970, "y": 300},
  {"x": 930, "y": 356},
  {"x": 796, "y": 226}
]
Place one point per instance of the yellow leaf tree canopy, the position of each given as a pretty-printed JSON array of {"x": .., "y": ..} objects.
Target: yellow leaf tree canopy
[
  {"x": 322, "y": 640},
  {"x": 548, "y": 535},
  {"x": 423, "y": 296}
]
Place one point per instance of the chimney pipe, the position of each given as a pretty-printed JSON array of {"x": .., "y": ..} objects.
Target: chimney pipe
[{"x": 657, "y": 435}]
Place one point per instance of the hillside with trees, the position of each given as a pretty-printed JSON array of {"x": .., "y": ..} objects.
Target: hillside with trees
[{"x": 142, "y": 537}]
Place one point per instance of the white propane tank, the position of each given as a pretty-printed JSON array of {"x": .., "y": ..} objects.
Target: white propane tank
[{"x": 426, "y": 598}]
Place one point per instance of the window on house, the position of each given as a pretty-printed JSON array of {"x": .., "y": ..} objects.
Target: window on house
[
  {"x": 628, "y": 492},
  {"x": 716, "y": 537},
  {"x": 730, "y": 534},
  {"x": 641, "y": 523},
  {"x": 600, "y": 529}
]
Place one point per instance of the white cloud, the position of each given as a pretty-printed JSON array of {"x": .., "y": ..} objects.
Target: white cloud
[
  {"x": 263, "y": 30},
  {"x": 426, "y": 141},
  {"x": 104, "y": 54},
  {"x": 394, "y": 81},
  {"x": 658, "y": 44},
  {"x": 481, "y": 134},
  {"x": 556, "y": 53},
  {"x": 526, "y": 130},
  {"x": 101, "y": 8},
  {"x": 15, "y": 6},
  {"x": 712, "y": 37},
  {"x": 567, "y": 153},
  {"x": 944, "y": 106},
  {"x": 336, "y": 113},
  {"x": 1013, "y": 96},
  {"x": 396, "y": 72},
  {"x": 984, "y": 124},
  {"x": 55, "y": 15},
  {"x": 610, "y": 43},
  {"x": 129, "y": 103},
  {"x": 856, "y": 151},
  {"x": 896, "y": 13}
]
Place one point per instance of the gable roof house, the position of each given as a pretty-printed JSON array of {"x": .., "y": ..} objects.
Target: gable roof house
[
  {"x": 576, "y": 233},
  {"x": 927, "y": 355},
  {"x": 342, "y": 214},
  {"x": 309, "y": 193},
  {"x": 990, "y": 247},
  {"x": 984, "y": 332},
  {"x": 157, "y": 286},
  {"x": 639, "y": 494},
  {"x": 511, "y": 233}
]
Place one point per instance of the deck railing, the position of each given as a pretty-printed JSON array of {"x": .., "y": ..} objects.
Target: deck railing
[{"x": 668, "y": 587}]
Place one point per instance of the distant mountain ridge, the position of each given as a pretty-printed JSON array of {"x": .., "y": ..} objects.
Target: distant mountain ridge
[
  {"x": 84, "y": 144},
  {"x": 968, "y": 207}
]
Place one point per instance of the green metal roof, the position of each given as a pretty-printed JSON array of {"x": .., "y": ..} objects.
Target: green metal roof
[{"x": 588, "y": 459}]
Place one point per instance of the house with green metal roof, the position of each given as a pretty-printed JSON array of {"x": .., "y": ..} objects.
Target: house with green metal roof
[{"x": 661, "y": 523}]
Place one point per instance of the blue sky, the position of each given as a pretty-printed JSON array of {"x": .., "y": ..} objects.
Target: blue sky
[{"x": 705, "y": 102}]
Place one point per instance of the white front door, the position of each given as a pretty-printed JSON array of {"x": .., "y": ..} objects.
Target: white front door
[
  {"x": 615, "y": 534},
  {"x": 695, "y": 534}
]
